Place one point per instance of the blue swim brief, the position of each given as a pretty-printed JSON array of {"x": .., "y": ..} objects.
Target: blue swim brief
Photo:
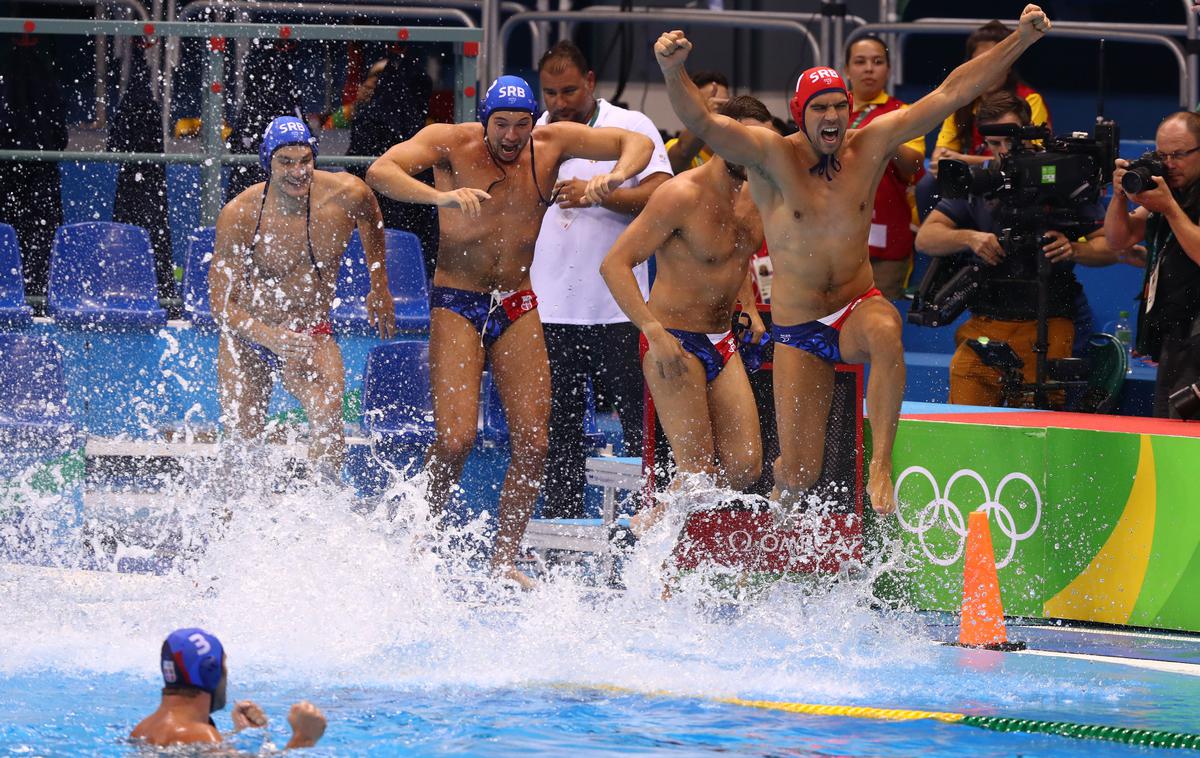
[
  {"x": 712, "y": 355},
  {"x": 491, "y": 313},
  {"x": 822, "y": 337}
]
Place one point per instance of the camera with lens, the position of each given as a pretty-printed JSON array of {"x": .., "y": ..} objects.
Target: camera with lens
[
  {"x": 1035, "y": 188},
  {"x": 1138, "y": 175},
  {"x": 1186, "y": 400}
]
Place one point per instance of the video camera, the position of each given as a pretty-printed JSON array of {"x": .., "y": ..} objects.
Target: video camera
[{"x": 1036, "y": 189}]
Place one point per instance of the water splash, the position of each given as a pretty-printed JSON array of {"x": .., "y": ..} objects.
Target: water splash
[{"x": 311, "y": 585}]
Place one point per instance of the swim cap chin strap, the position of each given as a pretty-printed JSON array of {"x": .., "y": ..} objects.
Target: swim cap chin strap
[
  {"x": 281, "y": 132},
  {"x": 813, "y": 83}
]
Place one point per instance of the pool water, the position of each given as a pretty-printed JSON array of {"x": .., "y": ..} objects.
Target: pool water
[{"x": 361, "y": 614}]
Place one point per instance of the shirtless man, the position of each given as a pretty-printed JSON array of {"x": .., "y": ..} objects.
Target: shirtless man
[
  {"x": 704, "y": 229},
  {"x": 194, "y": 679},
  {"x": 275, "y": 264},
  {"x": 492, "y": 185},
  {"x": 814, "y": 191}
]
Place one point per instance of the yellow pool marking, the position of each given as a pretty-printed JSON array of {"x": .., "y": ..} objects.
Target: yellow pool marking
[
  {"x": 1108, "y": 588},
  {"x": 851, "y": 711},
  {"x": 814, "y": 709}
]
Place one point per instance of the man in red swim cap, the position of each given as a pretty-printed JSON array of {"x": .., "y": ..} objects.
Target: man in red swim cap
[{"x": 814, "y": 191}]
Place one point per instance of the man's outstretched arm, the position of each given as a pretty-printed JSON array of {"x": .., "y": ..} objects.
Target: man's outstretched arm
[
  {"x": 724, "y": 136},
  {"x": 648, "y": 232},
  {"x": 393, "y": 174},
  {"x": 631, "y": 150},
  {"x": 964, "y": 84}
]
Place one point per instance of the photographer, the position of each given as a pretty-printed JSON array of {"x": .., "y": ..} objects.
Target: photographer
[
  {"x": 1005, "y": 307},
  {"x": 1167, "y": 220}
]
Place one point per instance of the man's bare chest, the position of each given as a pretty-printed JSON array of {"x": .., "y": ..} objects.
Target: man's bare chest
[{"x": 285, "y": 246}]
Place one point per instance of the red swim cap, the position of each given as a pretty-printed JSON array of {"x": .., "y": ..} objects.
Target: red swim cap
[{"x": 813, "y": 82}]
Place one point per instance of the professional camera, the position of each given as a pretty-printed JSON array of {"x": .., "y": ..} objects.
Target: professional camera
[
  {"x": 1137, "y": 176},
  {"x": 1068, "y": 172},
  {"x": 1036, "y": 189}
]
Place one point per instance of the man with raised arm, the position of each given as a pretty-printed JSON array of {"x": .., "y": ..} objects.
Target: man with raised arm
[
  {"x": 493, "y": 182},
  {"x": 814, "y": 192},
  {"x": 272, "y": 279},
  {"x": 703, "y": 228}
]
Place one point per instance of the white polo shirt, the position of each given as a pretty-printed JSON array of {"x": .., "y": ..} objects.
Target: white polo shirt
[{"x": 573, "y": 242}]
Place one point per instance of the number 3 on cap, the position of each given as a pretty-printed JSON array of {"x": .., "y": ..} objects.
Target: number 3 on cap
[{"x": 202, "y": 646}]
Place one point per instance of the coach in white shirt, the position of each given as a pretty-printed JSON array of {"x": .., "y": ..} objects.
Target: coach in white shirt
[{"x": 587, "y": 335}]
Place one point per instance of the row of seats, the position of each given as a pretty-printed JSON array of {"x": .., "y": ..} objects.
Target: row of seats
[
  {"x": 397, "y": 402},
  {"x": 102, "y": 274}
]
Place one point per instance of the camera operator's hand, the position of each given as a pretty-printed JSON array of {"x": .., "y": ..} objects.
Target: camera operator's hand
[
  {"x": 1157, "y": 200},
  {"x": 1121, "y": 166},
  {"x": 1059, "y": 249},
  {"x": 985, "y": 245}
]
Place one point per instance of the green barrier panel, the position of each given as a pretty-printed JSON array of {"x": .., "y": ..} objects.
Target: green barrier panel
[{"x": 1086, "y": 525}]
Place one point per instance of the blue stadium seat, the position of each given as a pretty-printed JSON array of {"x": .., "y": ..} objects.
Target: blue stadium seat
[
  {"x": 406, "y": 279},
  {"x": 14, "y": 313},
  {"x": 495, "y": 426},
  {"x": 102, "y": 274},
  {"x": 38, "y": 434},
  {"x": 32, "y": 388},
  {"x": 195, "y": 275},
  {"x": 396, "y": 399}
]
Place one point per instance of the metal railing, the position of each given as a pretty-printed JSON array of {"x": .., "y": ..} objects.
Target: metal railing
[
  {"x": 888, "y": 15},
  {"x": 661, "y": 17},
  {"x": 1061, "y": 31},
  {"x": 1109, "y": 31},
  {"x": 213, "y": 156},
  {"x": 250, "y": 8}
]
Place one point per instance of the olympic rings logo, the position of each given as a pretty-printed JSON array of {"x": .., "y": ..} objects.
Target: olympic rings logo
[{"x": 942, "y": 511}]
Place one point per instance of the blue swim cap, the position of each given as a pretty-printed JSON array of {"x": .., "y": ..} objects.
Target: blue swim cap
[
  {"x": 192, "y": 658},
  {"x": 283, "y": 131},
  {"x": 508, "y": 93}
]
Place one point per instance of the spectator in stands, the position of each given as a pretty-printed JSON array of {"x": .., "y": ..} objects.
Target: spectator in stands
[
  {"x": 344, "y": 115},
  {"x": 397, "y": 109},
  {"x": 32, "y": 117},
  {"x": 1005, "y": 307},
  {"x": 588, "y": 338},
  {"x": 959, "y": 137},
  {"x": 868, "y": 63},
  {"x": 1168, "y": 219},
  {"x": 494, "y": 182},
  {"x": 687, "y": 150},
  {"x": 141, "y": 197},
  {"x": 273, "y": 275},
  {"x": 273, "y": 88},
  {"x": 194, "y": 674},
  {"x": 691, "y": 359}
]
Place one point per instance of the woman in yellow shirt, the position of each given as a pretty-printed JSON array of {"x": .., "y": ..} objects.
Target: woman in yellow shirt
[{"x": 959, "y": 139}]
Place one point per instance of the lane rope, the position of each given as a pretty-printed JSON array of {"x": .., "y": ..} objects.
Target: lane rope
[{"x": 1107, "y": 733}]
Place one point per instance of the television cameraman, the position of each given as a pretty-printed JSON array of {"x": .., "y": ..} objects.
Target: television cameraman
[
  {"x": 1004, "y": 308},
  {"x": 1167, "y": 219}
]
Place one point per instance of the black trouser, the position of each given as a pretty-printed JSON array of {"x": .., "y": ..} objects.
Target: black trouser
[{"x": 607, "y": 354}]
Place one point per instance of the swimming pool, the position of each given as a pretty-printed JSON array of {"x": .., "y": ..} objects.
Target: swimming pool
[{"x": 315, "y": 601}]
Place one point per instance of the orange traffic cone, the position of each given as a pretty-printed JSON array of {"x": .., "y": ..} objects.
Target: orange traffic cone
[{"x": 982, "y": 622}]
